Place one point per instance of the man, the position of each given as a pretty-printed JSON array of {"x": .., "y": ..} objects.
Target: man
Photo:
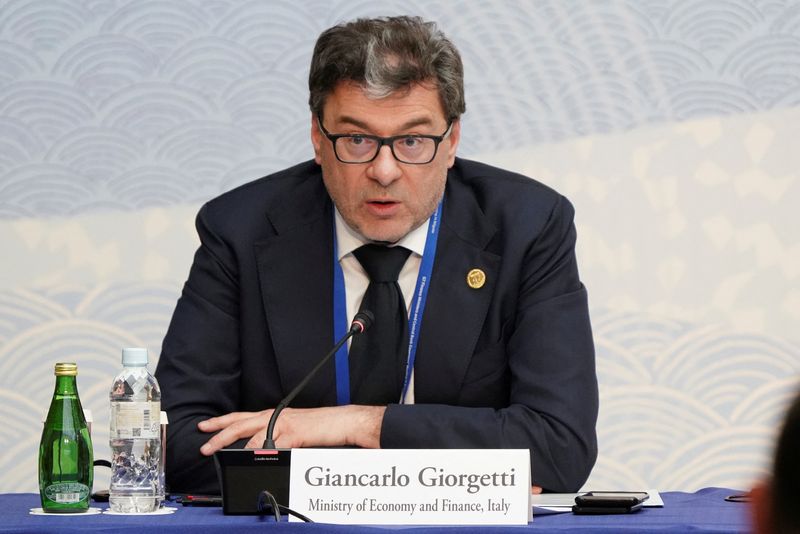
[
  {"x": 775, "y": 499},
  {"x": 502, "y": 356}
]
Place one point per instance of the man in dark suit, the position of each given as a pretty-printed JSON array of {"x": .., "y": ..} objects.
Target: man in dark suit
[{"x": 501, "y": 352}]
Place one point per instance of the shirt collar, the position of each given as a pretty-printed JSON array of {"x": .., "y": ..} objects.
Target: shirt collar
[{"x": 348, "y": 239}]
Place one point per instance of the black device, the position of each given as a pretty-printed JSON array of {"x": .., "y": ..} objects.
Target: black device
[
  {"x": 244, "y": 474},
  {"x": 609, "y": 502},
  {"x": 200, "y": 500}
]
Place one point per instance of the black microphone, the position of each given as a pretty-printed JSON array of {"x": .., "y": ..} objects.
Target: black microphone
[{"x": 361, "y": 322}]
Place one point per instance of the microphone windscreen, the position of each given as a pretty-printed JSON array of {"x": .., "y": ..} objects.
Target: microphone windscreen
[{"x": 363, "y": 320}]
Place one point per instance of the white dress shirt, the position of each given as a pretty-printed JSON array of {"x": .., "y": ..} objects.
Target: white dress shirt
[{"x": 356, "y": 279}]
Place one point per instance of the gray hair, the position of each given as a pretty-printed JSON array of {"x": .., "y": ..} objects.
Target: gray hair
[{"x": 386, "y": 54}]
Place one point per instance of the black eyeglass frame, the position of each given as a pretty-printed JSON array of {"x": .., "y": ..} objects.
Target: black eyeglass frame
[{"x": 389, "y": 141}]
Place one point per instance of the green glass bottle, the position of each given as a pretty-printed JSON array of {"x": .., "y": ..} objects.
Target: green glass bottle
[{"x": 65, "y": 451}]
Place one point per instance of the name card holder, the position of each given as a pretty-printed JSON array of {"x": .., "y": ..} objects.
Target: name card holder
[{"x": 412, "y": 486}]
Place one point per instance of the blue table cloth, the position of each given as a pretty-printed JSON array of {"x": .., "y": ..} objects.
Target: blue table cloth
[{"x": 703, "y": 511}]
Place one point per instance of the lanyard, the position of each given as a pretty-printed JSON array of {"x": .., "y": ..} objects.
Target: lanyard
[{"x": 418, "y": 300}]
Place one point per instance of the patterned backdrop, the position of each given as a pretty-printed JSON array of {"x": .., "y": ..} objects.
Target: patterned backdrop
[{"x": 671, "y": 125}]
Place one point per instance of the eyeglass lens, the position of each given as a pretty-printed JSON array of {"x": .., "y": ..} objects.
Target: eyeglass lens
[{"x": 408, "y": 149}]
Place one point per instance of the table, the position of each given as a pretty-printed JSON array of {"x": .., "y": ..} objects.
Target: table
[{"x": 703, "y": 511}]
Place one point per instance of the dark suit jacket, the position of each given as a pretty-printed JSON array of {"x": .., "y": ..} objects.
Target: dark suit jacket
[{"x": 509, "y": 365}]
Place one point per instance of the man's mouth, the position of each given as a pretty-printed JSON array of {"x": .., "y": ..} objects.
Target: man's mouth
[{"x": 382, "y": 208}]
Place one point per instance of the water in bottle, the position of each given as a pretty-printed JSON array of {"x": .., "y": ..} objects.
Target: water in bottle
[
  {"x": 135, "y": 437},
  {"x": 65, "y": 450}
]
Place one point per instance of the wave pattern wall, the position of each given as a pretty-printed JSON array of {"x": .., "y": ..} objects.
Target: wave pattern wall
[
  {"x": 199, "y": 90},
  {"x": 687, "y": 407},
  {"x": 81, "y": 324},
  {"x": 671, "y": 126}
]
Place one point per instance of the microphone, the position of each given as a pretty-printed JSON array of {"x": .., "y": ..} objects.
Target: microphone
[{"x": 361, "y": 322}]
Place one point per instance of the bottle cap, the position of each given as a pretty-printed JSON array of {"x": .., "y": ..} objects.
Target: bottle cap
[
  {"x": 134, "y": 357},
  {"x": 66, "y": 369}
]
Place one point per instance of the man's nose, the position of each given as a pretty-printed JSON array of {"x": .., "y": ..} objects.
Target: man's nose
[{"x": 384, "y": 169}]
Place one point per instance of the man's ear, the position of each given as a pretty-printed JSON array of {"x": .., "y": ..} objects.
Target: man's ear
[
  {"x": 316, "y": 139},
  {"x": 452, "y": 142},
  {"x": 761, "y": 508}
]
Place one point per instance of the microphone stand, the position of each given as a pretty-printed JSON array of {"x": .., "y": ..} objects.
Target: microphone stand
[{"x": 361, "y": 322}]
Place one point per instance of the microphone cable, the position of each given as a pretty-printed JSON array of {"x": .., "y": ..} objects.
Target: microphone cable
[{"x": 267, "y": 501}]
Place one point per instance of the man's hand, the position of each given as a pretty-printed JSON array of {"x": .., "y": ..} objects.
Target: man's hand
[{"x": 298, "y": 427}]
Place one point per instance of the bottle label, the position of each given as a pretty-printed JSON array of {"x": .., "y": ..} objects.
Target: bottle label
[
  {"x": 135, "y": 420},
  {"x": 67, "y": 492}
]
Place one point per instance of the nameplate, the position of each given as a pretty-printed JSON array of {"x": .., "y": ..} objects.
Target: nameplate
[{"x": 411, "y": 487}]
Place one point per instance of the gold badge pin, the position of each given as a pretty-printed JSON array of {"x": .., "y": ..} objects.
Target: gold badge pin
[{"x": 476, "y": 278}]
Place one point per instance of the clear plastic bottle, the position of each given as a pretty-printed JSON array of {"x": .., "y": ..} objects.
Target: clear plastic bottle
[{"x": 135, "y": 437}]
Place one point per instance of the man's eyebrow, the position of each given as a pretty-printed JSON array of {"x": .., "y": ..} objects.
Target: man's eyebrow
[{"x": 421, "y": 121}]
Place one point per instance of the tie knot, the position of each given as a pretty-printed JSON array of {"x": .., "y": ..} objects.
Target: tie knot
[{"x": 382, "y": 263}]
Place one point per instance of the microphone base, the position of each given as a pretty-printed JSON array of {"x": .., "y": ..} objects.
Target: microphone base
[{"x": 244, "y": 473}]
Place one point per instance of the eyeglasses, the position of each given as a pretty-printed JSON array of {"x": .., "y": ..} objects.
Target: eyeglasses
[{"x": 415, "y": 149}]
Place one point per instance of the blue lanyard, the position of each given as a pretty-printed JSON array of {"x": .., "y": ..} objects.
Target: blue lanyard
[{"x": 340, "y": 325}]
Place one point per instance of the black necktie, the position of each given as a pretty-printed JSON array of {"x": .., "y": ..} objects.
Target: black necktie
[{"x": 378, "y": 356}]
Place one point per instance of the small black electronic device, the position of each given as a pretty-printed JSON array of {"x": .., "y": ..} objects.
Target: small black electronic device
[
  {"x": 609, "y": 502},
  {"x": 244, "y": 473},
  {"x": 201, "y": 500}
]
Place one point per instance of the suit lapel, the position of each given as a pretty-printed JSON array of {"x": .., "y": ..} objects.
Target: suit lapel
[
  {"x": 295, "y": 275},
  {"x": 455, "y": 312}
]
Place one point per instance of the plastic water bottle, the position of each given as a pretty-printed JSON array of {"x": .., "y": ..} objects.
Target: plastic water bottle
[
  {"x": 65, "y": 451},
  {"x": 135, "y": 437}
]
